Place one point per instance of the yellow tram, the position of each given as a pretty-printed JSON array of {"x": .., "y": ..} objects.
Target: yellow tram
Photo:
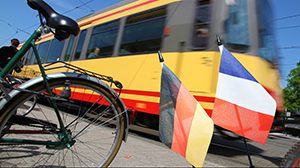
[{"x": 122, "y": 41}]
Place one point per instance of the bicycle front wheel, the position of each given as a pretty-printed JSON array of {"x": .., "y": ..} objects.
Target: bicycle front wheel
[{"x": 92, "y": 116}]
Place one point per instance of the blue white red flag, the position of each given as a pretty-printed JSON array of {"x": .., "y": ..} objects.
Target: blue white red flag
[{"x": 242, "y": 105}]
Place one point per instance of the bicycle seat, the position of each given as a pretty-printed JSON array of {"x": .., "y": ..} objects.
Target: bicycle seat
[{"x": 64, "y": 26}]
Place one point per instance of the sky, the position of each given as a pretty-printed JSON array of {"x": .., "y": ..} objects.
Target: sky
[
  {"x": 287, "y": 31},
  {"x": 17, "y": 20}
]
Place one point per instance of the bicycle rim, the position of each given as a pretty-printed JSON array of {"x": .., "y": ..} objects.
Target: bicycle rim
[{"x": 91, "y": 116}]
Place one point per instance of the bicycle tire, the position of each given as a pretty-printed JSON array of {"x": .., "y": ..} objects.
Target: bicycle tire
[
  {"x": 292, "y": 157},
  {"x": 105, "y": 127}
]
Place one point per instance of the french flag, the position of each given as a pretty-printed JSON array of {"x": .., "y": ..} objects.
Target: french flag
[{"x": 242, "y": 105}]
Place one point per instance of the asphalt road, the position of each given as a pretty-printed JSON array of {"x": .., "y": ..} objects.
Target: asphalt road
[{"x": 148, "y": 151}]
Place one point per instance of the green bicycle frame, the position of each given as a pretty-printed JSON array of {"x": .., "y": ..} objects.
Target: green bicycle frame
[{"x": 9, "y": 67}]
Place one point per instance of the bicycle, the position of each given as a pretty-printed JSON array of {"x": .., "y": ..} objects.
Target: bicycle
[{"x": 79, "y": 119}]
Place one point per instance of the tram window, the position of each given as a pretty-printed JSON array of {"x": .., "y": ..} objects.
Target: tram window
[
  {"x": 265, "y": 29},
  {"x": 31, "y": 56},
  {"x": 103, "y": 40},
  {"x": 143, "y": 33},
  {"x": 67, "y": 55},
  {"x": 237, "y": 26},
  {"x": 28, "y": 57},
  {"x": 42, "y": 51},
  {"x": 201, "y": 27},
  {"x": 55, "y": 51},
  {"x": 80, "y": 44},
  {"x": 25, "y": 56}
]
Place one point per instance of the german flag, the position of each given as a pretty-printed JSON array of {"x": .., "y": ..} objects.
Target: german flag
[{"x": 184, "y": 126}]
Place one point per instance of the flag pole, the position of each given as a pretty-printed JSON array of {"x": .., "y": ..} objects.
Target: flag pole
[
  {"x": 161, "y": 59},
  {"x": 248, "y": 153},
  {"x": 219, "y": 42}
]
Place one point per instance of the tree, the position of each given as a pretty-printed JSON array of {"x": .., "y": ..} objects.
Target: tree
[{"x": 291, "y": 93}]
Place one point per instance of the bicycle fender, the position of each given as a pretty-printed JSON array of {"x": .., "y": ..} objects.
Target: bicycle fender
[{"x": 62, "y": 75}]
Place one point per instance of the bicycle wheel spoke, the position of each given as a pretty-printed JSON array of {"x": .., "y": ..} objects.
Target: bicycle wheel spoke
[{"x": 101, "y": 125}]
